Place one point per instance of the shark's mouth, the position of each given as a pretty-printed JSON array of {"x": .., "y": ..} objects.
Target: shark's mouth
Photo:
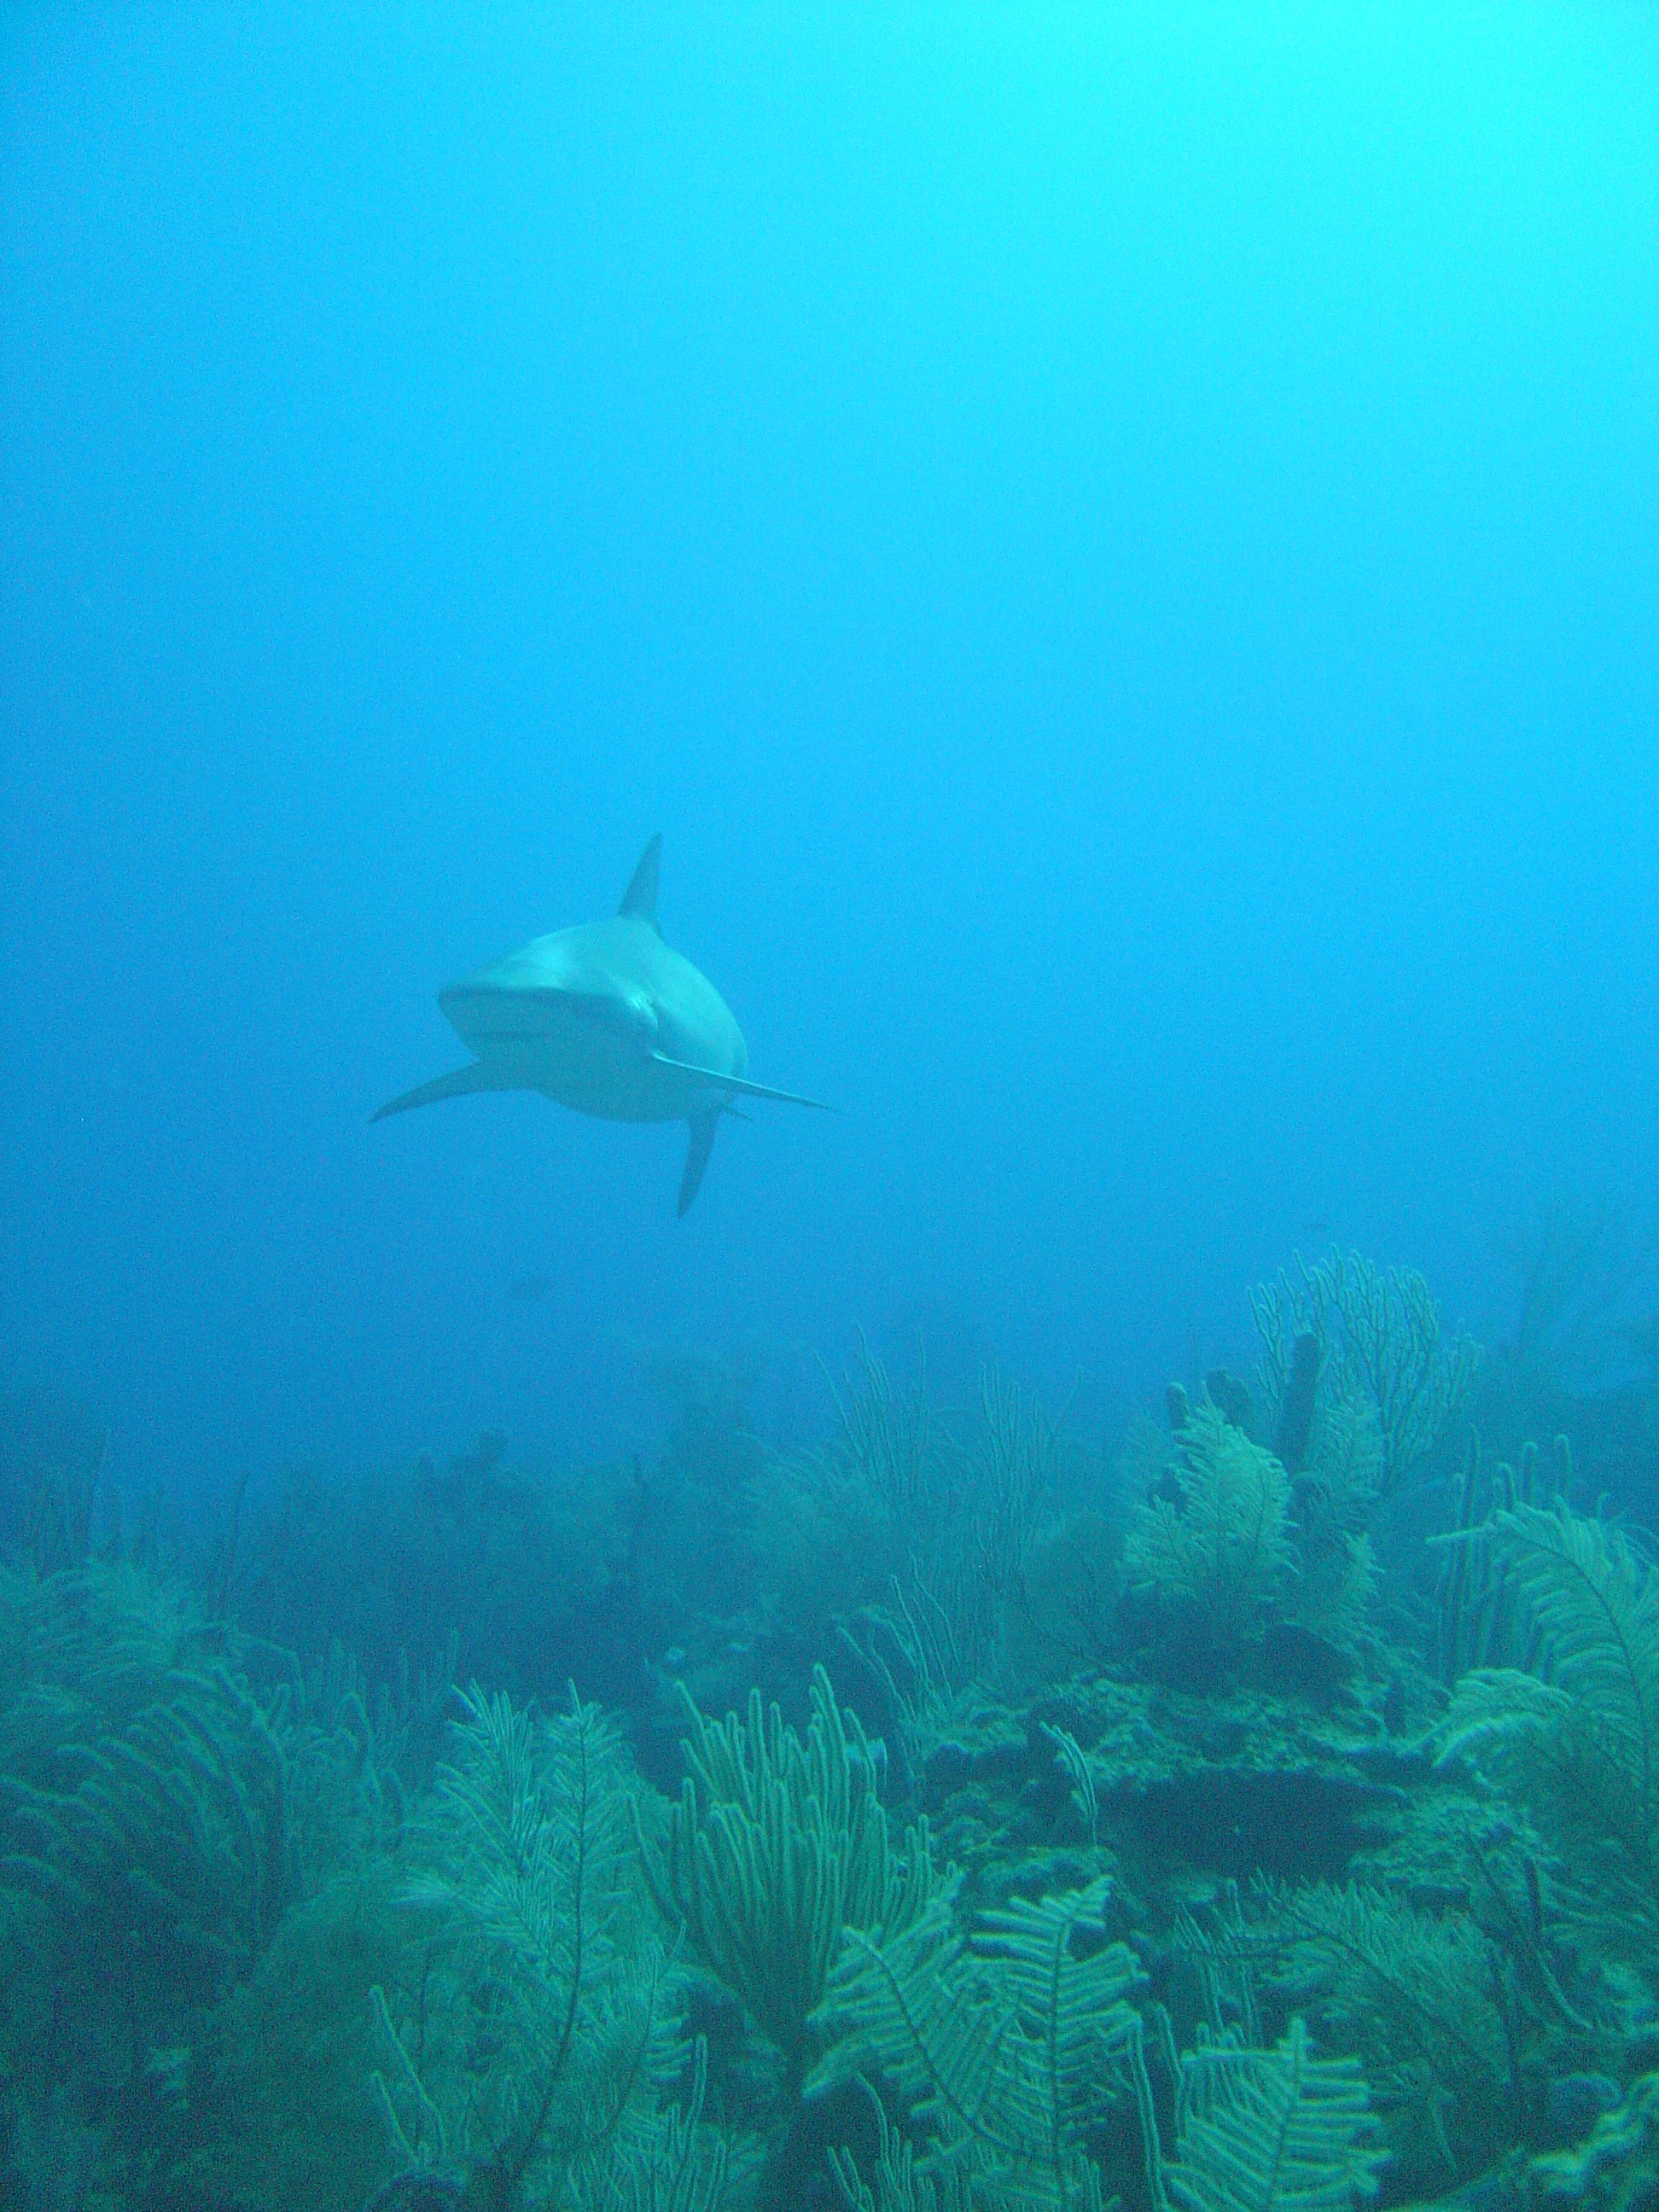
[{"x": 488, "y": 1018}]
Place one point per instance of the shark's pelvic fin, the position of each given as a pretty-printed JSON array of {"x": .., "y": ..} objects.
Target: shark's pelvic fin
[
  {"x": 696, "y": 1156},
  {"x": 640, "y": 899},
  {"x": 456, "y": 1085},
  {"x": 719, "y": 1082}
]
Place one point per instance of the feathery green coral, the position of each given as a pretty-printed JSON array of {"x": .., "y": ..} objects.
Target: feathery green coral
[
  {"x": 1008, "y": 2053},
  {"x": 913, "y": 2008},
  {"x": 1412, "y": 1996},
  {"x": 775, "y": 1846},
  {"x": 1008, "y": 2049},
  {"x": 1575, "y": 1742},
  {"x": 1222, "y": 1551},
  {"x": 900, "y": 2186},
  {"x": 144, "y": 1827},
  {"x": 537, "y": 2045},
  {"x": 1276, "y": 2131},
  {"x": 674, "y": 2165}
]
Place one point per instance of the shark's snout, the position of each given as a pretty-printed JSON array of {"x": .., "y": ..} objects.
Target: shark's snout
[{"x": 483, "y": 1014}]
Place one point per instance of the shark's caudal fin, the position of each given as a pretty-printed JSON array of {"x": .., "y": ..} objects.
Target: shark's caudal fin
[
  {"x": 640, "y": 899},
  {"x": 696, "y": 1156},
  {"x": 718, "y": 1082},
  {"x": 456, "y": 1085}
]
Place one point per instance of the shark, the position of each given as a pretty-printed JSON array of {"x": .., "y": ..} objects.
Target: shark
[{"x": 606, "y": 1018}]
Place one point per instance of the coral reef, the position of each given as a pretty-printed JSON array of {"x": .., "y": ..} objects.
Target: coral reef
[{"x": 1262, "y": 1813}]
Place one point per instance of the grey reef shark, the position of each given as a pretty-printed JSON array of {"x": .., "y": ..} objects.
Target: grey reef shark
[{"x": 603, "y": 1018}]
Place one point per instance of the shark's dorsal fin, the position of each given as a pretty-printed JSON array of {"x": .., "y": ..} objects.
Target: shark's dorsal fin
[{"x": 640, "y": 899}]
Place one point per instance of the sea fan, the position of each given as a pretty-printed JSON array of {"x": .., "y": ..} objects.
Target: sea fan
[{"x": 551, "y": 2025}]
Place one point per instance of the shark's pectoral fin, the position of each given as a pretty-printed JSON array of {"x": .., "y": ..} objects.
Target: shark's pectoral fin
[
  {"x": 719, "y": 1082},
  {"x": 456, "y": 1085},
  {"x": 697, "y": 1156}
]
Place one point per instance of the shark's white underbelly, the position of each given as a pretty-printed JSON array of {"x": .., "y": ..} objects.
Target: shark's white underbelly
[{"x": 616, "y": 1087}]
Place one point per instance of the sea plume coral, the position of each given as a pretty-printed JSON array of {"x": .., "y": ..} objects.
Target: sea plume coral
[
  {"x": 1220, "y": 1549},
  {"x": 1575, "y": 1738},
  {"x": 776, "y": 1845}
]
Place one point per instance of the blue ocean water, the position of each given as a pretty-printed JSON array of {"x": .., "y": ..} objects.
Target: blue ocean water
[
  {"x": 1090, "y": 1617},
  {"x": 1120, "y": 549}
]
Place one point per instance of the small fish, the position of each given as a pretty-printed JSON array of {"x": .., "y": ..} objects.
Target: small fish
[
  {"x": 1314, "y": 1229},
  {"x": 531, "y": 1290}
]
